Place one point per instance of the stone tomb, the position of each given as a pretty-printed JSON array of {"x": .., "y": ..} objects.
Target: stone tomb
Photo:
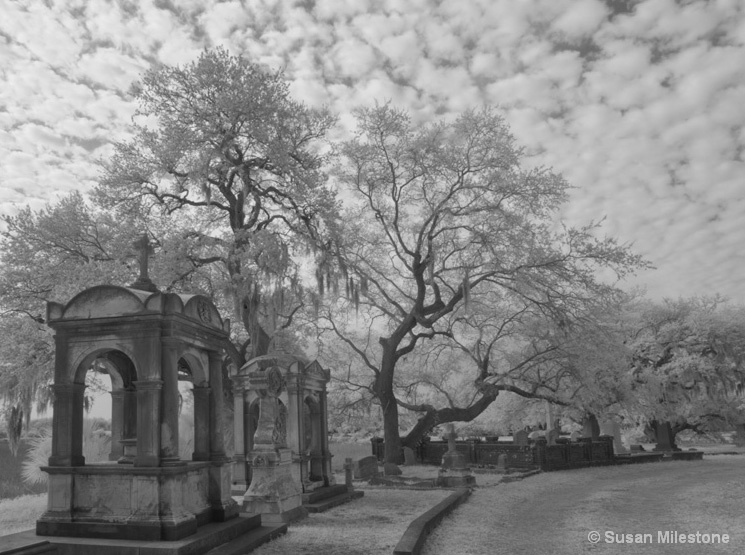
[
  {"x": 281, "y": 434},
  {"x": 143, "y": 338}
]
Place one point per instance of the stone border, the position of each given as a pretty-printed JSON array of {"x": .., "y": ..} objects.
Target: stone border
[{"x": 412, "y": 541}]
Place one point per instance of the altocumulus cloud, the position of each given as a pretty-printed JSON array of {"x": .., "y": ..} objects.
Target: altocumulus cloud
[{"x": 637, "y": 102}]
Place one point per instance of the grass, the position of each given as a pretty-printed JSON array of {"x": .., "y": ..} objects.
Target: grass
[{"x": 21, "y": 513}]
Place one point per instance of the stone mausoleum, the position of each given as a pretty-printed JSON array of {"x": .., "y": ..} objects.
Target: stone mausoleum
[
  {"x": 281, "y": 435},
  {"x": 145, "y": 339}
]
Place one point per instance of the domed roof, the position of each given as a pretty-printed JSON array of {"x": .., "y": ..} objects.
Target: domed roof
[{"x": 113, "y": 301}]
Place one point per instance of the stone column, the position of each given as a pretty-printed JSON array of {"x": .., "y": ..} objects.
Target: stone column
[
  {"x": 295, "y": 429},
  {"x": 117, "y": 424},
  {"x": 223, "y": 505},
  {"x": 129, "y": 427},
  {"x": 169, "y": 440},
  {"x": 67, "y": 425},
  {"x": 201, "y": 423},
  {"x": 239, "y": 439},
  {"x": 217, "y": 444},
  {"x": 148, "y": 422},
  {"x": 328, "y": 475}
]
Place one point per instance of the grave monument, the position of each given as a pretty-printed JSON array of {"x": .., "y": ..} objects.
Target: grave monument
[{"x": 144, "y": 338}]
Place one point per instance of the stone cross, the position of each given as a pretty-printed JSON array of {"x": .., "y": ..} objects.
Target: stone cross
[{"x": 144, "y": 249}]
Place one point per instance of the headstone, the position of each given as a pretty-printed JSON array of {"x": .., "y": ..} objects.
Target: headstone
[
  {"x": 365, "y": 468},
  {"x": 453, "y": 458},
  {"x": 665, "y": 437},
  {"x": 574, "y": 436},
  {"x": 502, "y": 462},
  {"x": 409, "y": 456},
  {"x": 534, "y": 435},
  {"x": 520, "y": 438},
  {"x": 454, "y": 472},
  {"x": 391, "y": 469},
  {"x": 590, "y": 427},
  {"x": 348, "y": 464},
  {"x": 612, "y": 428}
]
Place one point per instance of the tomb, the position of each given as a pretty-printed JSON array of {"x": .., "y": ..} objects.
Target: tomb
[
  {"x": 281, "y": 436},
  {"x": 146, "y": 340}
]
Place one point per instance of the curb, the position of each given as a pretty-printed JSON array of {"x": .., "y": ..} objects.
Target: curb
[{"x": 412, "y": 541}]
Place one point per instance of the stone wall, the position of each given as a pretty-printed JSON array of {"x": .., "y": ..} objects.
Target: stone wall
[{"x": 564, "y": 455}]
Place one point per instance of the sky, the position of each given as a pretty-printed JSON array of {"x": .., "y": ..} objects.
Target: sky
[{"x": 639, "y": 103}]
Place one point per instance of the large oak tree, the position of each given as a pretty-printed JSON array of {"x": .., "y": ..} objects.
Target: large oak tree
[{"x": 444, "y": 213}]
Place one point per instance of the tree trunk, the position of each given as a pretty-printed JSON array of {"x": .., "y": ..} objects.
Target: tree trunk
[
  {"x": 434, "y": 417},
  {"x": 389, "y": 404}
]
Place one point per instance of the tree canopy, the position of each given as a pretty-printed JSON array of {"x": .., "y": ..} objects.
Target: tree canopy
[
  {"x": 220, "y": 146},
  {"x": 443, "y": 216}
]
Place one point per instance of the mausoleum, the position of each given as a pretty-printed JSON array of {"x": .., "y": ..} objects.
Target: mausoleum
[{"x": 144, "y": 339}]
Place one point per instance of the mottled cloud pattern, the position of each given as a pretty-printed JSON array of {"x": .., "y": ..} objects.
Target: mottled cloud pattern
[{"x": 639, "y": 103}]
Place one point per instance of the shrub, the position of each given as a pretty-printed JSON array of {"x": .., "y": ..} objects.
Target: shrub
[{"x": 96, "y": 447}]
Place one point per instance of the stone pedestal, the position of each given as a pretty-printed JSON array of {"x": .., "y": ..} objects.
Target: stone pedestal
[{"x": 273, "y": 493}]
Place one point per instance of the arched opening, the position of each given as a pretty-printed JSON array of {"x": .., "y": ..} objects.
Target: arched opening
[
  {"x": 186, "y": 410},
  {"x": 106, "y": 372},
  {"x": 312, "y": 438}
]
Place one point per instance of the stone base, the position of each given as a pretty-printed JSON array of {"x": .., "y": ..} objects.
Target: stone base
[
  {"x": 273, "y": 492},
  {"x": 455, "y": 477}
]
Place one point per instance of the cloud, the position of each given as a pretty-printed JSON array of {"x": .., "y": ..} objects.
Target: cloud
[{"x": 641, "y": 110}]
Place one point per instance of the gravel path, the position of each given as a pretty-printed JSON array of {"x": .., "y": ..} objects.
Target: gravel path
[{"x": 554, "y": 512}]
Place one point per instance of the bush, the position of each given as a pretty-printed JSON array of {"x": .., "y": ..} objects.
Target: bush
[{"x": 96, "y": 448}]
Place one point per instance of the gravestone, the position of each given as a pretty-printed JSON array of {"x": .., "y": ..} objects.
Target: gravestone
[
  {"x": 534, "y": 435},
  {"x": 575, "y": 436},
  {"x": 520, "y": 438},
  {"x": 612, "y": 428},
  {"x": 454, "y": 472},
  {"x": 665, "y": 437},
  {"x": 590, "y": 427},
  {"x": 365, "y": 468},
  {"x": 502, "y": 462},
  {"x": 409, "y": 456}
]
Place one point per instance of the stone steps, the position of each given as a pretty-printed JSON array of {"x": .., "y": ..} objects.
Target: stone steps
[
  {"x": 324, "y": 493},
  {"x": 244, "y": 529},
  {"x": 331, "y": 502}
]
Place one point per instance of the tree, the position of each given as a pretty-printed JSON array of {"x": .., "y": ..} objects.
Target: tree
[
  {"x": 440, "y": 215},
  {"x": 220, "y": 147},
  {"x": 687, "y": 362},
  {"x": 47, "y": 255}
]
